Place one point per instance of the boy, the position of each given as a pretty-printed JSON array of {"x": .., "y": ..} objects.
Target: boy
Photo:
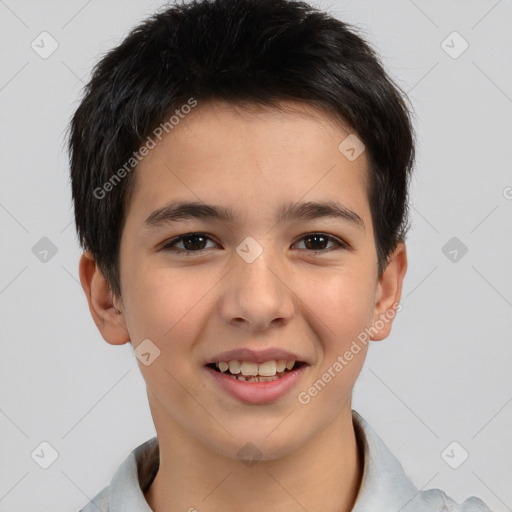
[{"x": 240, "y": 175}]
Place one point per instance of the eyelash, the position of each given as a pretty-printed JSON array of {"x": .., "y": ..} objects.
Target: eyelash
[{"x": 169, "y": 245}]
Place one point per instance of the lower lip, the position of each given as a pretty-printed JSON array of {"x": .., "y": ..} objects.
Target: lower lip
[{"x": 258, "y": 392}]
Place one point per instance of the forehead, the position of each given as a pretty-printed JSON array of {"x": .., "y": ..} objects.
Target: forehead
[{"x": 258, "y": 153}]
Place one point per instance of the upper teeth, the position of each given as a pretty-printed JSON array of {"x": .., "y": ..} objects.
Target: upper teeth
[{"x": 247, "y": 368}]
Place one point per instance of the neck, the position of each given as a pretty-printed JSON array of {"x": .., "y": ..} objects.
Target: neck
[{"x": 323, "y": 475}]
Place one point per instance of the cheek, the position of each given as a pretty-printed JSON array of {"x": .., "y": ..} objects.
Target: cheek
[
  {"x": 340, "y": 304},
  {"x": 163, "y": 304},
  {"x": 167, "y": 307}
]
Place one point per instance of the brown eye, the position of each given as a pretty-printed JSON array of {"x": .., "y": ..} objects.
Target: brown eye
[
  {"x": 317, "y": 242},
  {"x": 193, "y": 243}
]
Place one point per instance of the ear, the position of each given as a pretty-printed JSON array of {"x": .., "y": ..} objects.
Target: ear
[
  {"x": 388, "y": 293},
  {"x": 108, "y": 318}
]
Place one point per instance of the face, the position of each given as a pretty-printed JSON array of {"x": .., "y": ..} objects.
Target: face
[{"x": 300, "y": 287}]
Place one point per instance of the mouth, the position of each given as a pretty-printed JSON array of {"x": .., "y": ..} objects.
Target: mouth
[
  {"x": 249, "y": 371},
  {"x": 257, "y": 376}
]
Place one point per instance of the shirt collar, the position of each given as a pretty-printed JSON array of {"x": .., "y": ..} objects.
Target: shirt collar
[{"x": 384, "y": 485}]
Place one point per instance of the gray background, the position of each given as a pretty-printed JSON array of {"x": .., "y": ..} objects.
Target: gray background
[{"x": 442, "y": 376}]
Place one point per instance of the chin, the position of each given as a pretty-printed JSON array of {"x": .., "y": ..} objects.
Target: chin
[{"x": 258, "y": 445}]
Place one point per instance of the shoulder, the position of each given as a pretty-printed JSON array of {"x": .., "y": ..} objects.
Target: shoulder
[
  {"x": 436, "y": 500},
  {"x": 100, "y": 503},
  {"x": 134, "y": 475},
  {"x": 385, "y": 485}
]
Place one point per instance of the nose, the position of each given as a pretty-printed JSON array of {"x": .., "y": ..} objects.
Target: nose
[{"x": 257, "y": 295}]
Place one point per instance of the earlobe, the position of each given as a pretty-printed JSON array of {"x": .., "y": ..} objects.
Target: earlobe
[
  {"x": 107, "y": 317},
  {"x": 389, "y": 292}
]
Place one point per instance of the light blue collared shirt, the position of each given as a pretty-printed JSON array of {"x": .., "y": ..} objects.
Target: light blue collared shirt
[{"x": 384, "y": 486}]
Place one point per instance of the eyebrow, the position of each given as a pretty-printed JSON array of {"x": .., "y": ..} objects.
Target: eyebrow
[{"x": 184, "y": 210}]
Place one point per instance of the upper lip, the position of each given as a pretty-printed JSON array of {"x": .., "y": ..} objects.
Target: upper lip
[{"x": 255, "y": 356}]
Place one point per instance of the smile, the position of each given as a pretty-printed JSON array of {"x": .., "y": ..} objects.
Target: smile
[
  {"x": 257, "y": 383},
  {"x": 255, "y": 372}
]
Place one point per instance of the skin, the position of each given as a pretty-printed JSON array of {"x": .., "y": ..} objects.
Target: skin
[{"x": 193, "y": 307}]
